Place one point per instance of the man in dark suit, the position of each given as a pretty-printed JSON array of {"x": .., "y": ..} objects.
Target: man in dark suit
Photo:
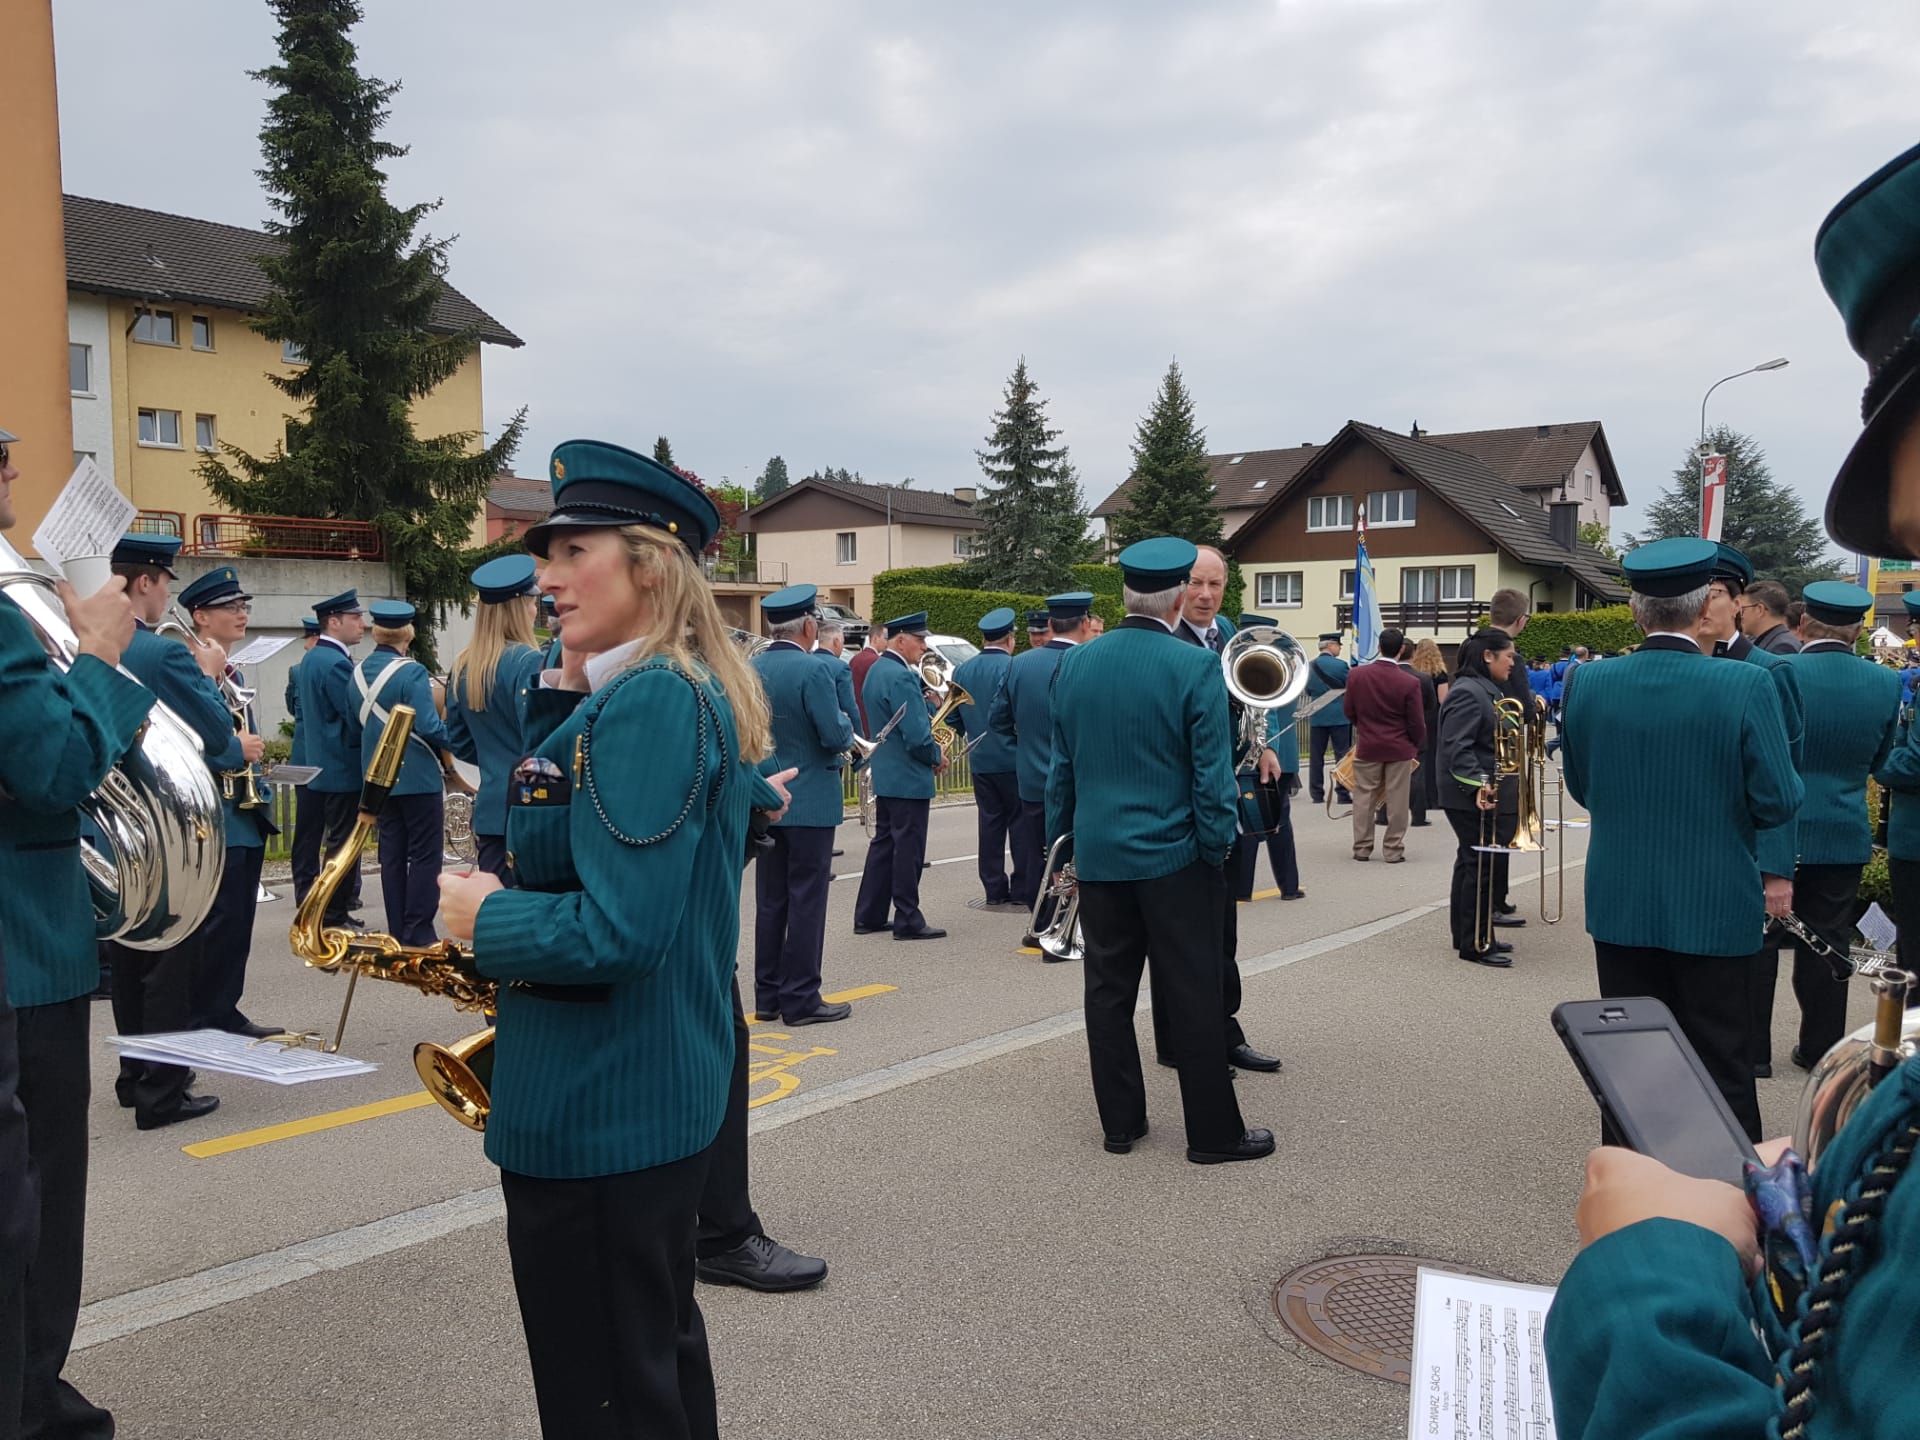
[
  {"x": 1430, "y": 707},
  {"x": 904, "y": 767},
  {"x": 1151, "y": 803},
  {"x": 1763, "y": 618},
  {"x": 1327, "y": 727},
  {"x": 990, "y": 760}
]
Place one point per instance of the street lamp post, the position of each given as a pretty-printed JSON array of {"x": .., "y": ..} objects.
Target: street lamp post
[{"x": 1778, "y": 363}]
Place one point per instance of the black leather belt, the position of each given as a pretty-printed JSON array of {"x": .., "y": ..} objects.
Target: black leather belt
[{"x": 573, "y": 994}]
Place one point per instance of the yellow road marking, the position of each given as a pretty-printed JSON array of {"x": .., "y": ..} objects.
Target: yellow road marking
[
  {"x": 859, "y": 992},
  {"x": 1029, "y": 949},
  {"x": 1260, "y": 895}
]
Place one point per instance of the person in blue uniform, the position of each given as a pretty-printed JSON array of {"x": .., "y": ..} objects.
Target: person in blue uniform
[
  {"x": 904, "y": 767},
  {"x": 1021, "y": 715},
  {"x": 220, "y": 609},
  {"x": 1268, "y": 802},
  {"x": 1327, "y": 727},
  {"x": 487, "y": 695},
  {"x": 413, "y": 821},
  {"x": 153, "y": 989},
  {"x": 64, "y": 729},
  {"x": 990, "y": 760},
  {"x": 1141, "y": 775},
  {"x": 1039, "y": 628},
  {"x": 810, "y": 733},
  {"x": 616, "y": 952},
  {"x": 1853, "y": 718},
  {"x": 830, "y": 647},
  {"x": 1680, "y": 760},
  {"x": 330, "y": 718}
]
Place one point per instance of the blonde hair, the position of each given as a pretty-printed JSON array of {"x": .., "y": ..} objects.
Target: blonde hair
[
  {"x": 494, "y": 629},
  {"x": 685, "y": 627},
  {"x": 398, "y": 636},
  {"x": 1427, "y": 658}
]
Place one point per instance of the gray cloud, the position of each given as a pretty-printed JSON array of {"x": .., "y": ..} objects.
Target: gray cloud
[{"x": 828, "y": 230}]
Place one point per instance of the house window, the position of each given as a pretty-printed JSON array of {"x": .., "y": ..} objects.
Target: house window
[
  {"x": 1589, "y": 479},
  {"x": 160, "y": 427},
  {"x": 202, "y": 332},
  {"x": 962, "y": 544},
  {"x": 1329, "y": 512},
  {"x": 155, "y": 327},
  {"x": 1390, "y": 507},
  {"x": 291, "y": 353},
  {"x": 1446, "y": 582},
  {"x": 1346, "y": 584},
  {"x": 80, "y": 368},
  {"x": 1280, "y": 589},
  {"x": 203, "y": 436},
  {"x": 846, "y": 547}
]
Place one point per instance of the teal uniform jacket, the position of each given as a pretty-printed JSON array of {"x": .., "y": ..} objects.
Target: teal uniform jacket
[
  {"x": 297, "y": 745},
  {"x": 1324, "y": 673},
  {"x": 249, "y": 829},
  {"x": 410, "y": 684},
  {"x": 1022, "y": 715},
  {"x": 903, "y": 765},
  {"x": 1680, "y": 760},
  {"x": 167, "y": 667},
  {"x": 1139, "y": 811},
  {"x": 1853, "y": 717},
  {"x": 809, "y": 731},
  {"x": 1652, "y": 1332},
  {"x": 493, "y": 738},
  {"x": 330, "y": 719},
  {"x": 632, "y": 881},
  {"x": 843, "y": 694},
  {"x": 63, "y": 733},
  {"x": 1777, "y": 847},
  {"x": 981, "y": 677},
  {"x": 1900, "y": 774}
]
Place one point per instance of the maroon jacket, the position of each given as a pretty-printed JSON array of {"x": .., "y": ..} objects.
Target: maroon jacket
[
  {"x": 1385, "y": 708},
  {"x": 859, "y": 665}
]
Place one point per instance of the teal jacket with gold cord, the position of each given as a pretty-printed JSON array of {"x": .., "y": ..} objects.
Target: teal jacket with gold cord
[
  {"x": 1900, "y": 774},
  {"x": 1853, "y": 718},
  {"x": 1652, "y": 1335},
  {"x": 615, "y": 1052},
  {"x": 63, "y": 733},
  {"x": 1142, "y": 755}
]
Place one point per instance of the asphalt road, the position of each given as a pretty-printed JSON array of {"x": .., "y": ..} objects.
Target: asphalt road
[{"x": 994, "y": 1272}]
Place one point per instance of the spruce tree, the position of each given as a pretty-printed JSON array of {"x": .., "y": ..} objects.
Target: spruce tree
[
  {"x": 355, "y": 291},
  {"x": 1765, "y": 520},
  {"x": 772, "y": 480},
  {"x": 663, "y": 452},
  {"x": 1035, "y": 516},
  {"x": 1171, "y": 493}
]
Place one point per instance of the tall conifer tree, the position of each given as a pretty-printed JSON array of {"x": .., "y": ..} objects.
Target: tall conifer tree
[
  {"x": 1171, "y": 492},
  {"x": 663, "y": 452},
  {"x": 772, "y": 481},
  {"x": 1035, "y": 516},
  {"x": 354, "y": 291}
]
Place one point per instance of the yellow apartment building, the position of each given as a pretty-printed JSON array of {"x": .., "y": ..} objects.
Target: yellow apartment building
[{"x": 163, "y": 365}]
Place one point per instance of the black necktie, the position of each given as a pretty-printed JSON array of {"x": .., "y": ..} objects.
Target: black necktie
[{"x": 1720, "y": 647}]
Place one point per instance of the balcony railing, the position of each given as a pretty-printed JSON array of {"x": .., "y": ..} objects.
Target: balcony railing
[
  {"x": 744, "y": 572},
  {"x": 159, "y": 522},
  {"x": 285, "y": 535},
  {"x": 1463, "y": 615}
]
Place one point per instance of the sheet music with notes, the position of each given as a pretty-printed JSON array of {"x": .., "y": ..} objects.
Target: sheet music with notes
[{"x": 1479, "y": 1360}]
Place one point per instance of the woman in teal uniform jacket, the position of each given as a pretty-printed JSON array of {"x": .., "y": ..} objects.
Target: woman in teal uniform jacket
[
  {"x": 615, "y": 959},
  {"x": 487, "y": 696}
]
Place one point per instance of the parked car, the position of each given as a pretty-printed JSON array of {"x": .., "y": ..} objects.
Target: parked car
[{"x": 855, "y": 626}]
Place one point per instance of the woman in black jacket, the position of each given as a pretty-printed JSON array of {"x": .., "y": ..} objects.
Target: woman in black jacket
[{"x": 1471, "y": 794}]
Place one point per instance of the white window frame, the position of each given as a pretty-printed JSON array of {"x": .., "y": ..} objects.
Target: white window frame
[
  {"x": 149, "y": 320},
  {"x": 1451, "y": 578},
  {"x": 85, "y": 355},
  {"x": 963, "y": 544},
  {"x": 193, "y": 328},
  {"x": 1346, "y": 584},
  {"x": 211, "y": 440},
  {"x": 1427, "y": 577},
  {"x": 152, "y": 418},
  {"x": 1269, "y": 595},
  {"x": 1405, "y": 508},
  {"x": 1344, "y": 510},
  {"x": 291, "y": 353},
  {"x": 846, "y": 547}
]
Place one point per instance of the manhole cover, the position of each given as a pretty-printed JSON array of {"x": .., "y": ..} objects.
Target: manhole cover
[{"x": 1357, "y": 1309}]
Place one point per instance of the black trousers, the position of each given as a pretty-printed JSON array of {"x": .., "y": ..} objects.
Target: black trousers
[
  {"x": 996, "y": 801},
  {"x": 227, "y": 942},
  {"x": 1279, "y": 846},
  {"x": 1763, "y": 983},
  {"x": 1904, "y": 883},
  {"x": 413, "y": 835},
  {"x": 339, "y": 812},
  {"x": 1473, "y": 868},
  {"x": 1319, "y": 738},
  {"x": 1171, "y": 927},
  {"x": 1823, "y": 897},
  {"x": 491, "y": 853},
  {"x": 894, "y": 859},
  {"x": 309, "y": 826},
  {"x": 1027, "y": 835},
  {"x": 790, "y": 919},
  {"x": 727, "y": 1219},
  {"x": 604, "y": 1272},
  {"x": 54, "y": 1089},
  {"x": 19, "y": 1220},
  {"x": 1232, "y": 1034},
  {"x": 153, "y": 994},
  {"x": 1708, "y": 996}
]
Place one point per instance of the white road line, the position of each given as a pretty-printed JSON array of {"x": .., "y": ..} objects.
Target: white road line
[{"x": 119, "y": 1316}]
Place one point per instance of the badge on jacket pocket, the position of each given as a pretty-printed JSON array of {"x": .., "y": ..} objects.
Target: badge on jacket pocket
[{"x": 538, "y": 781}]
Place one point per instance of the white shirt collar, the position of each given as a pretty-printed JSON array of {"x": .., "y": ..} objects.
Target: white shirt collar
[
  {"x": 337, "y": 644},
  {"x": 609, "y": 663}
]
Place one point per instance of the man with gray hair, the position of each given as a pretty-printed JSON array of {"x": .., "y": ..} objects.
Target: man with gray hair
[
  {"x": 1680, "y": 761},
  {"x": 832, "y": 645}
]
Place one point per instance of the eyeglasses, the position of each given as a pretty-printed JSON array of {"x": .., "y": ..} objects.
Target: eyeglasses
[
  {"x": 6, "y": 454},
  {"x": 246, "y": 605}
]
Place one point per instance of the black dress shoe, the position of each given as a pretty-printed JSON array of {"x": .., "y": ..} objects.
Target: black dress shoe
[
  {"x": 1293, "y": 894},
  {"x": 1509, "y": 922},
  {"x": 928, "y": 932},
  {"x": 838, "y": 853},
  {"x": 1122, "y": 1143},
  {"x": 871, "y": 929},
  {"x": 1030, "y": 941},
  {"x": 253, "y": 1030},
  {"x": 1254, "y": 1145},
  {"x": 1763, "y": 1071},
  {"x": 1245, "y": 1057},
  {"x": 828, "y": 1012},
  {"x": 191, "y": 1107},
  {"x": 1501, "y": 947},
  {"x": 761, "y": 1264},
  {"x": 1487, "y": 957},
  {"x": 1419, "y": 822},
  {"x": 1800, "y": 1059},
  {"x": 1506, "y": 909}
]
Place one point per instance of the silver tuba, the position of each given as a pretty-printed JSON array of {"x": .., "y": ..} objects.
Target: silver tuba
[
  {"x": 1056, "y": 908},
  {"x": 158, "y": 809},
  {"x": 1846, "y": 1074},
  {"x": 1265, "y": 669}
]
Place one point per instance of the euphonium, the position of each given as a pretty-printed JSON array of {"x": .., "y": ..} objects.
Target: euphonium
[
  {"x": 158, "y": 809},
  {"x": 1058, "y": 901},
  {"x": 1265, "y": 669},
  {"x": 457, "y": 1075},
  {"x": 1843, "y": 1077},
  {"x": 944, "y": 734}
]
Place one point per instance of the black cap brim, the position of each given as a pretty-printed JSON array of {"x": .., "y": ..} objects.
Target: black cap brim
[
  {"x": 1859, "y": 506},
  {"x": 540, "y": 536}
]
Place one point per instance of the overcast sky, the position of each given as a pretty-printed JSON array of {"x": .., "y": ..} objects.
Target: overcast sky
[{"x": 827, "y": 230}]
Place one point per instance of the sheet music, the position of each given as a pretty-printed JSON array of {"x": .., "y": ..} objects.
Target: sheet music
[
  {"x": 258, "y": 649},
  {"x": 226, "y": 1054},
  {"x": 1876, "y": 928},
  {"x": 88, "y": 518},
  {"x": 1479, "y": 1361}
]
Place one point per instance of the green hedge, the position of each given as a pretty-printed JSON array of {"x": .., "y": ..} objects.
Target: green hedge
[
  {"x": 954, "y": 605},
  {"x": 1605, "y": 631}
]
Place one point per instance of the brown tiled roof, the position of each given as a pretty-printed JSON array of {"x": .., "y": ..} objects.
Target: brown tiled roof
[
  {"x": 1242, "y": 479},
  {"x": 929, "y": 507},
  {"x": 146, "y": 254},
  {"x": 518, "y": 496},
  {"x": 1535, "y": 457}
]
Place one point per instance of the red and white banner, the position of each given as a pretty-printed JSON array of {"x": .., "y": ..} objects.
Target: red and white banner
[{"x": 1713, "y": 496}]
